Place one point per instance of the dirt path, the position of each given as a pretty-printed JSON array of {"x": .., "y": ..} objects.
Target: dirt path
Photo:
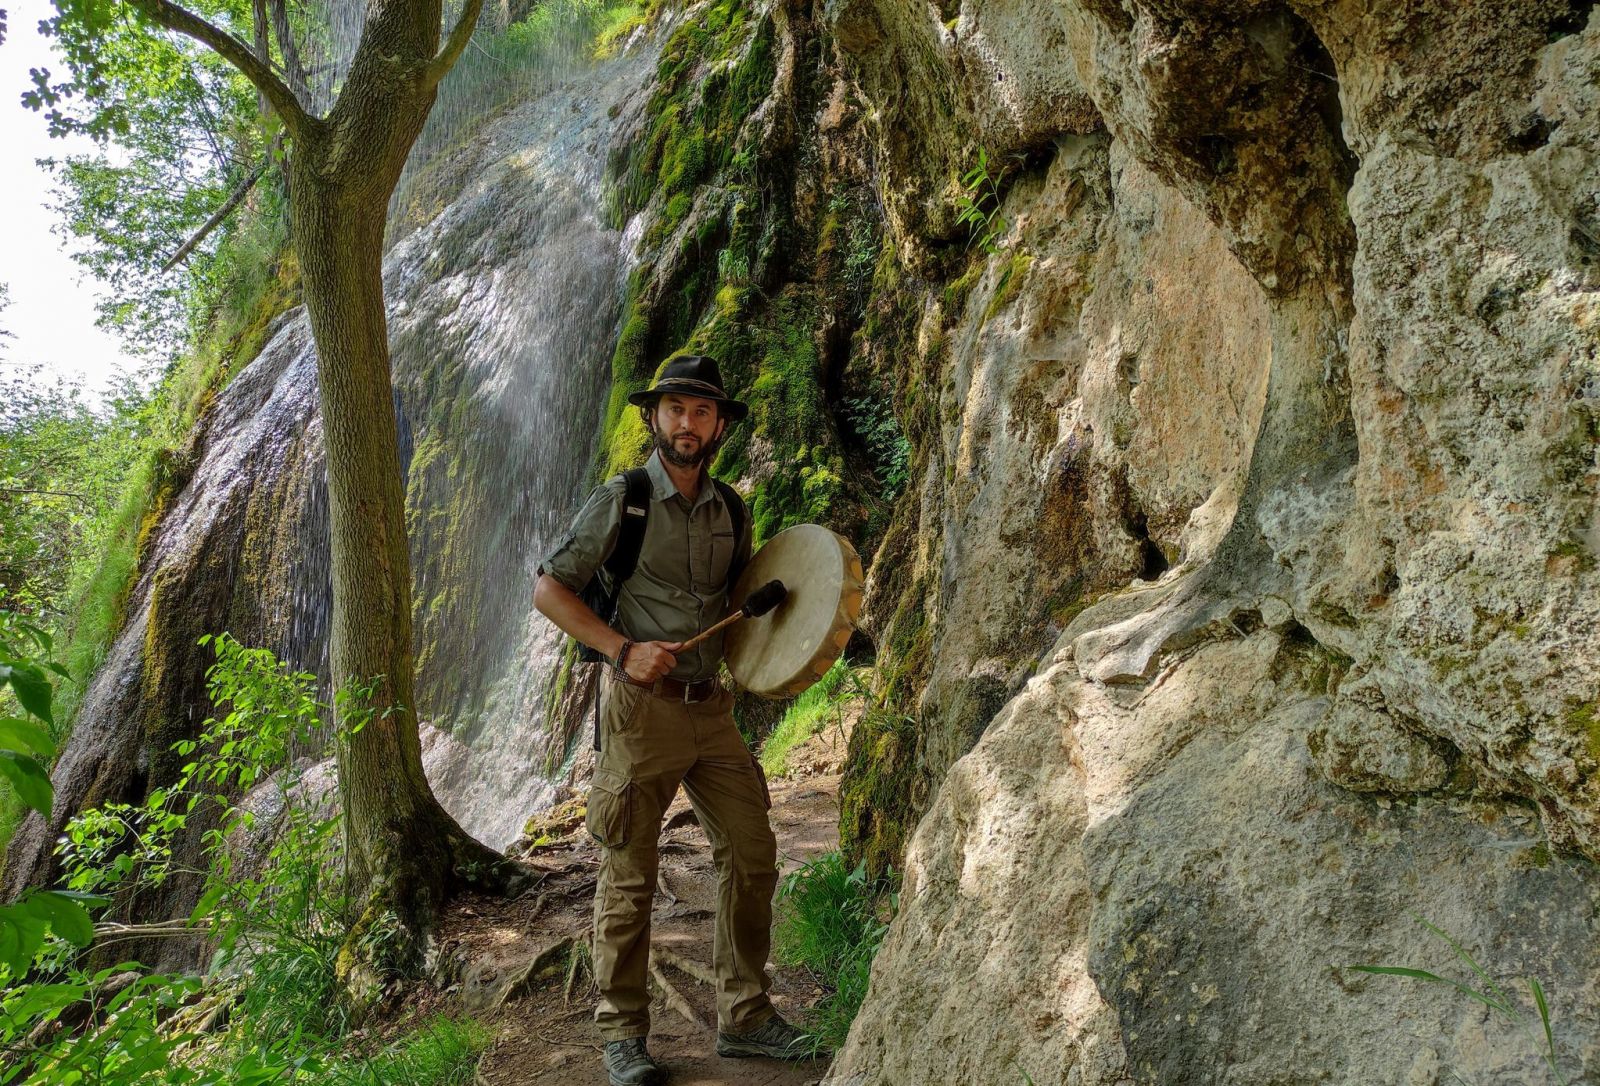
[{"x": 520, "y": 966}]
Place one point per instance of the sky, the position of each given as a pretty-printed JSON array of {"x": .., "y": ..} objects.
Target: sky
[{"x": 51, "y": 316}]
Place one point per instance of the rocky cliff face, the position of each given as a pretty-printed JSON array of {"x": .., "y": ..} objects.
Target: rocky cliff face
[
  {"x": 1300, "y": 383},
  {"x": 1229, "y": 474}
]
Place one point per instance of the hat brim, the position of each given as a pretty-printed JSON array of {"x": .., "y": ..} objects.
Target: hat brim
[{"x": 732, "y": 410}]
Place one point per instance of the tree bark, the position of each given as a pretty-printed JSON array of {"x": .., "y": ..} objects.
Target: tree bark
[{"x": 294, "y": 70}]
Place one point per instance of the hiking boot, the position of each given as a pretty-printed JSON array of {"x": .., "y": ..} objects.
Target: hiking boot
[
  {"x": 773, "y": 1038},
  {"x": 628, "y": 1064}
]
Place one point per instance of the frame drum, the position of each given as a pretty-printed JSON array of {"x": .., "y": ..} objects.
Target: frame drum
[{"x": 782, "y": 653}]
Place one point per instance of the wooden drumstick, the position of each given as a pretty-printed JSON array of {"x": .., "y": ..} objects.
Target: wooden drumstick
[{"x": 760, "y": 602}]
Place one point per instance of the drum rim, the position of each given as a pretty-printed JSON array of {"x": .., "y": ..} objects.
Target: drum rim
[{"x": 851, "y": 586}]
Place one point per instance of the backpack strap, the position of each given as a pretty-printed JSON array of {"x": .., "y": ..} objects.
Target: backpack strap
[
  {"x": 736, "y": 513},
  {"x": 624, "y": 558}
]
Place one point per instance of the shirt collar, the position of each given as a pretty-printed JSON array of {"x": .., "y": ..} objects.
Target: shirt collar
[{"x": 662, "y": 487}]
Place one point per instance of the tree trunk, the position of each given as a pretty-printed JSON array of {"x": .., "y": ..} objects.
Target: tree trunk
[{"x": 405, "y": 853}]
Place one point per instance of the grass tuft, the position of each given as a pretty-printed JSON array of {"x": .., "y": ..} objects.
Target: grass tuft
[
  {"x": 832, "y": 920},
  {"x": 823, "y": 701},
  {"x": 443, "y": 1053},
  {"x": 1491, "y": 995}
]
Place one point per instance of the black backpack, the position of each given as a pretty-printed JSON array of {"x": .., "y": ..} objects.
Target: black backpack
[{"x": 601, "y": 593}]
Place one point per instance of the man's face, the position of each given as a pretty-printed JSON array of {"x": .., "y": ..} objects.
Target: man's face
[{"x": 687, "y": 428}]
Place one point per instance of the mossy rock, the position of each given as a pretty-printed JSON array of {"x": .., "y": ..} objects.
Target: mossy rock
[{"x": 876, "y": 803}]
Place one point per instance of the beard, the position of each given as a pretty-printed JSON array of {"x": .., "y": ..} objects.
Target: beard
[{"x": 701, "y": 454}]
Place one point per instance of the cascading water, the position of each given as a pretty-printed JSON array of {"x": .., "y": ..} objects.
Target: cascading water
[
  {"x": 503, "y": 310},
  {"x": 530, "y": 316}
]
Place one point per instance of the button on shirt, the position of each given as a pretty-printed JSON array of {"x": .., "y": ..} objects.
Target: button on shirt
[{"x": 681, "y": 583}]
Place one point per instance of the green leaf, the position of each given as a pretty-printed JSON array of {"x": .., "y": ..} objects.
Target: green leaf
[
  {"x": 1503, "y": 1000},
  {"x": 30, "y": 780},
  {"x": 1434, "y": 978},
  {"x": 33, "y": 690},
  {"x": 43, "y": 1001},
  {"x": 208, "y": 901},
  {"x": 22, "y": 930},
  {"x": 68, "y": 918},
  {"x": 91, "y": 901},
  {"x": 10, "y": 942},
  {"x": 24, "y": 735},
  {"x": 1549, "y": 1037}
]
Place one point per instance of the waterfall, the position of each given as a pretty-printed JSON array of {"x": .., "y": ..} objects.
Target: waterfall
[
  {"x": 528, "y": 307},
  {"x": 503, "y": 311}
]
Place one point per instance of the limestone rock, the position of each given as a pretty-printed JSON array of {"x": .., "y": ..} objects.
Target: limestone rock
[
  {"x": 1158, "y": 886},
  {"x": 1324, "y": 371},
  {"x": 1363, "y": 749}
]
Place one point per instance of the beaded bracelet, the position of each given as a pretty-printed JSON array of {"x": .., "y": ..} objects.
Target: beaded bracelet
[{"x": 622, "y": 659}]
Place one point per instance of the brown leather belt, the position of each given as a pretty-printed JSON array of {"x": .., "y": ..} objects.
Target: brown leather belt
[{"x": 674, "y": 689}]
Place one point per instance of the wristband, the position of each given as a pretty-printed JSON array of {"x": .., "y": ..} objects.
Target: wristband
[{"x": 622, "y": 658}]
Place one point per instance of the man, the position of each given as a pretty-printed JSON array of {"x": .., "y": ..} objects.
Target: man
[{"x": 666, "y": 719}]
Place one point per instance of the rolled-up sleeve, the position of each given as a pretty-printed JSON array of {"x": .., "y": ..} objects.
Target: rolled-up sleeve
[{"x": 591, "y": 539}]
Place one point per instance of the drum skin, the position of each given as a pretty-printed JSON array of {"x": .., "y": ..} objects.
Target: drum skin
[{"x": 782, "y": 653}]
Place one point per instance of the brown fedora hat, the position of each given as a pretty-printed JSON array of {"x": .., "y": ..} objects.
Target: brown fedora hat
[{"x": 692, "y": 375}]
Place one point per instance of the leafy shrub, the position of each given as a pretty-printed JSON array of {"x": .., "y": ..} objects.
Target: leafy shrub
[
  {"x": 832, "y": 920},
  {"x": 978, "y": 205},
  {"x": 118, "y": 1039},
  {"x": 875, "y": 424}
]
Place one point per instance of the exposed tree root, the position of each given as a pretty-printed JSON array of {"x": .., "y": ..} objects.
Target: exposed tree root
[
  {"x": 687, "y": 966},
  {"x": 674, "y": 998},
  {"x": 524, "y": 980},
  {"x": 580, "y": 963}
]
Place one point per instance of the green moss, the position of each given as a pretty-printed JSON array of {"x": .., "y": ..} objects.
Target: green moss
[
  {"x": 99, "y": 596},
  {"x": 1010, "y": 279},
  {"x": 1585, "y": 721},
  {"x": 876, "y": 809},
  {"x": 1577, "y": 552},
  {"x": 712, "y": 74},
  {"x": 956, "y": 291},
  {"x": 1539, "y": 856}
]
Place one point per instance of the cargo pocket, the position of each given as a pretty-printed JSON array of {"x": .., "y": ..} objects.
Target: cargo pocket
[
  {"x": 610, "y": 813},
  {"x": 761, "y": 779}
]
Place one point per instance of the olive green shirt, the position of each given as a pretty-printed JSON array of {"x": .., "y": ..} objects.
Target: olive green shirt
[{"x": 681, "y": 583}]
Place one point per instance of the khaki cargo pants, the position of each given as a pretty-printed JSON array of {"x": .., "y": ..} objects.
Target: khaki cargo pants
[{"x": 649, "y": 745}]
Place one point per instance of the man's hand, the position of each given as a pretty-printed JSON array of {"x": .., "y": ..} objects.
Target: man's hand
[{"x": 649, "y": 660}]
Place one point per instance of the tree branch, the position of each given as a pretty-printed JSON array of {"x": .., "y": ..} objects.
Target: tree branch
[
  {"x": 440, "y": 65},
  {"x": 235, "y": 198},
  {"x": 293, "y": 69},
  {"x": 235, "y": 52},
  {"x": 51, "y": 493}
]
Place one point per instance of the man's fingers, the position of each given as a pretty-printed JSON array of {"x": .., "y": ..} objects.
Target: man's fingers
[{"x": 671, "y": 646}]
